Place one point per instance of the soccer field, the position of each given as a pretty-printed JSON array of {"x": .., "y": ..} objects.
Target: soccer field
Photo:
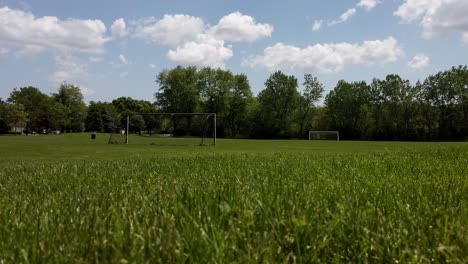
[
  {"x": 67, "y": 198},
  {"x": 82, "y": 147}
]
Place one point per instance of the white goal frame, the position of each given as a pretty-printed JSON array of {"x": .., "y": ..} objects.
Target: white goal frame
[
  {"x": 337, "y": 133},
  {"x": 172, "y": 114}
]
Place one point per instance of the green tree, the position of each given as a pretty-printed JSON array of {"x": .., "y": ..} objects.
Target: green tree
[
  {"x": 189, "y": 90},
  {"x": 311, "y": 94},
  {"x": 59, "y": 115},
  {"x": 447, "y": 91},
  {"x": 4, "y": 127},
  {"x": 36, "y": 105},
  {"x": 129, "y": 106},
  {"x": 394, "y": 108},
  {"x": 213, "y": 87},
  {"x": 102, "y": 117},
  {"x": 16, "y": 115},
  {"x": 12, "y": 115},
  {"x": 227, "y": 95},
  {"x": 70, "y": 97},
  {"x": 239, "y": 97},
  {"x": 278, "y": 101},
  {"x": 137, "y": 123},
  {"x": 177, "y": 90},
  {"x": 426, "y": 116},
  {"x": 347, "y": 106},
  {"x": 123, "y": 104}
]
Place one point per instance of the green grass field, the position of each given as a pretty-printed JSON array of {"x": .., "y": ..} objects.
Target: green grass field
[{"x": 70, "y": 199}]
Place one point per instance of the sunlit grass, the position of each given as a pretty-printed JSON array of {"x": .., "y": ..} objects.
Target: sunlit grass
[{"x": 405, "y": 205}]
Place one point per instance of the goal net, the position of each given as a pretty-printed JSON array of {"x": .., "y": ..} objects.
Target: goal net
[
  {"x": 324, "y": 135},
  {"x": 170, "y": 129},
  {"x": 117, "y": 136}
]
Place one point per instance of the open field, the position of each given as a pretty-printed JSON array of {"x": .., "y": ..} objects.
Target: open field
[
  {"x": 69, "y": 199},
  {"x": 81, "y": 147}
]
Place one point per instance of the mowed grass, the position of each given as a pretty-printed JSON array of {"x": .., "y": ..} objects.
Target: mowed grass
[
  {"x": 82, "y": 147},
  {"x": 69, "y": 199}
]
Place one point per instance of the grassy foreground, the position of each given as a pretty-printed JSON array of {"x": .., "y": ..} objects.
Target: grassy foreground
[{"x": 68, "y": 199}]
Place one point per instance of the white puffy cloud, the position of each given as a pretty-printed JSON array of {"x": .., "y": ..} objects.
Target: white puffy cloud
[
  {"x": 122, "y": 59},
  {"x": 326, "y": 58},
  {"x": 239, "y": 27},
  {"x": 204, "y": 51},
  {"x": 3, "y": 51},
  {"x": 367, "y": 4},
  {"x": 34, "y": 34},
  {"x": 344, "y": 17},
  {"x": 119, "y": 28},
  {"x": 420, "y": 61},
  {"x": 465, "y": 37},
  {"x": 436, "y": 16},
  {"x": 95, "y": 59},
  {"x": 348, "y": 14},
  {"x": 123, "y": 75},
  {"x": 69, "y": 68},
  {"x": 196, "y": 43},
  {"x": 317, "y": 25},
  {"x": 171, "y": 29},
  {"x": 180, "y": 29},
  {"x": 414, "y": 9},
  {"x": 87, "y": 91}
]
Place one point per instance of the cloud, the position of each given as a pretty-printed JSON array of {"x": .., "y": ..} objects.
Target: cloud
[
  {"x": 348, "y": 14},
  {"x": 420, "y": 61},
  {"x": 344, "y": 17},
  {"x": 119, "y": 28},
  {"x": 69, "y": 68},
  {"x": 95, "y": 59},
  {"x": 123, "y": 75},
  {"x": 239, "y": 27},
  {"x": 34, "y": 34},
  {"x": 123, "y": 59},
  {"x": 177, "y": 29},
  {"x": 204, "y": 51},
  {"x": 326, "y": 58},
  {"x": 368, "y": 5},
  {"x": 152, "y": 66},
  {"x": 465, "y": 37},
  {"x": 436, "y": 17},
  {"x": 317, "y": 25},
  {"x": 412, "y": 10},
  {"x": 196, "y": 43},
  {"x": 3, "y": 51},
  {"x": 87, "y": 91},
  {"x": 170, "y": 30}
]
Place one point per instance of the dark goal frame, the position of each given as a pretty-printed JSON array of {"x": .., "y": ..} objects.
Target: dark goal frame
[
  {"x": 335, "y": 132},
  {"x": 173, "y": 114}
]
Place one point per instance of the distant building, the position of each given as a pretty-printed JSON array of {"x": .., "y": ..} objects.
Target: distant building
[{"x": 17, "y": 129}]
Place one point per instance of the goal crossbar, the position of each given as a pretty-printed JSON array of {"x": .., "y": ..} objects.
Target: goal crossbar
[
  {"x": 162, "y": 114},
  {"x": 324, "y": 132},
  {"x": 172, "y": 114}
]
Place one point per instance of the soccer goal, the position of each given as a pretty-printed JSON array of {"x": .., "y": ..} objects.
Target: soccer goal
[
  {"x": 324, "y": 135},
  {"x": 170, "y": 129}
]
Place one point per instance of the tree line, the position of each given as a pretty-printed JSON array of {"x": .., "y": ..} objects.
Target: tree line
[{"x": 384, "y": 109}]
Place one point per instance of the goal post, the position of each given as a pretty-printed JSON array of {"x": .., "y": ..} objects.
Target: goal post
[
  {"x": 318, "y": 134},
  {"x": 183, "y": 128}
]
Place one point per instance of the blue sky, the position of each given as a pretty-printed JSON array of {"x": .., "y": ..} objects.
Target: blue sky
[{"x": 116, "y": 48}]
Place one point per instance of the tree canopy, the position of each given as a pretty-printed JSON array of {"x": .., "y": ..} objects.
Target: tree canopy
[{"x": 391, "y": 108}]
